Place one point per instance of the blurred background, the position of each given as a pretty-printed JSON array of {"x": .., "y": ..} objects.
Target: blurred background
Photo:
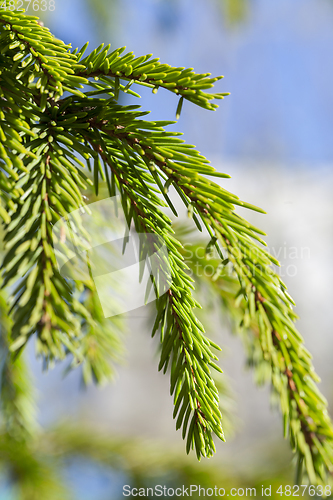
[{"x": 273, "y": 135}]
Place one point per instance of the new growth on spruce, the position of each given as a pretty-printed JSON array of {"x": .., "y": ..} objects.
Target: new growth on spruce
[{"x": 58, "y": 107}]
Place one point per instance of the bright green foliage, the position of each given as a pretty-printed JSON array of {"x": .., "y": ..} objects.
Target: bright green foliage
[
  {"x": 269, "y": 340},
  {"x": 58, "y": 107},
  {"x": 17, "y": 398}
]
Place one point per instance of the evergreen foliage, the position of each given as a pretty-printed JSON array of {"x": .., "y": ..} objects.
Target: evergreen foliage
[{"x": 59, "y": 107}]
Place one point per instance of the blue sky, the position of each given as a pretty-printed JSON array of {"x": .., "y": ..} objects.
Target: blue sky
[{"x": 277, "y": 66}]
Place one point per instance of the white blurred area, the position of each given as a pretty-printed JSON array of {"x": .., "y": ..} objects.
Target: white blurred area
[{"x": 299, "y": 231}]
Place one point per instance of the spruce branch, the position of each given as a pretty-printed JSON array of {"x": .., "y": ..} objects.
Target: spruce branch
[
  {"x": 265, "y": 293},
  {"x": 43, "y": 135},
  {"x": 176, "y": 307},
  {"x": 143, "y": 70},
  {"x": 42, "y": 185},
  {"x": 291, "y": 374}
]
